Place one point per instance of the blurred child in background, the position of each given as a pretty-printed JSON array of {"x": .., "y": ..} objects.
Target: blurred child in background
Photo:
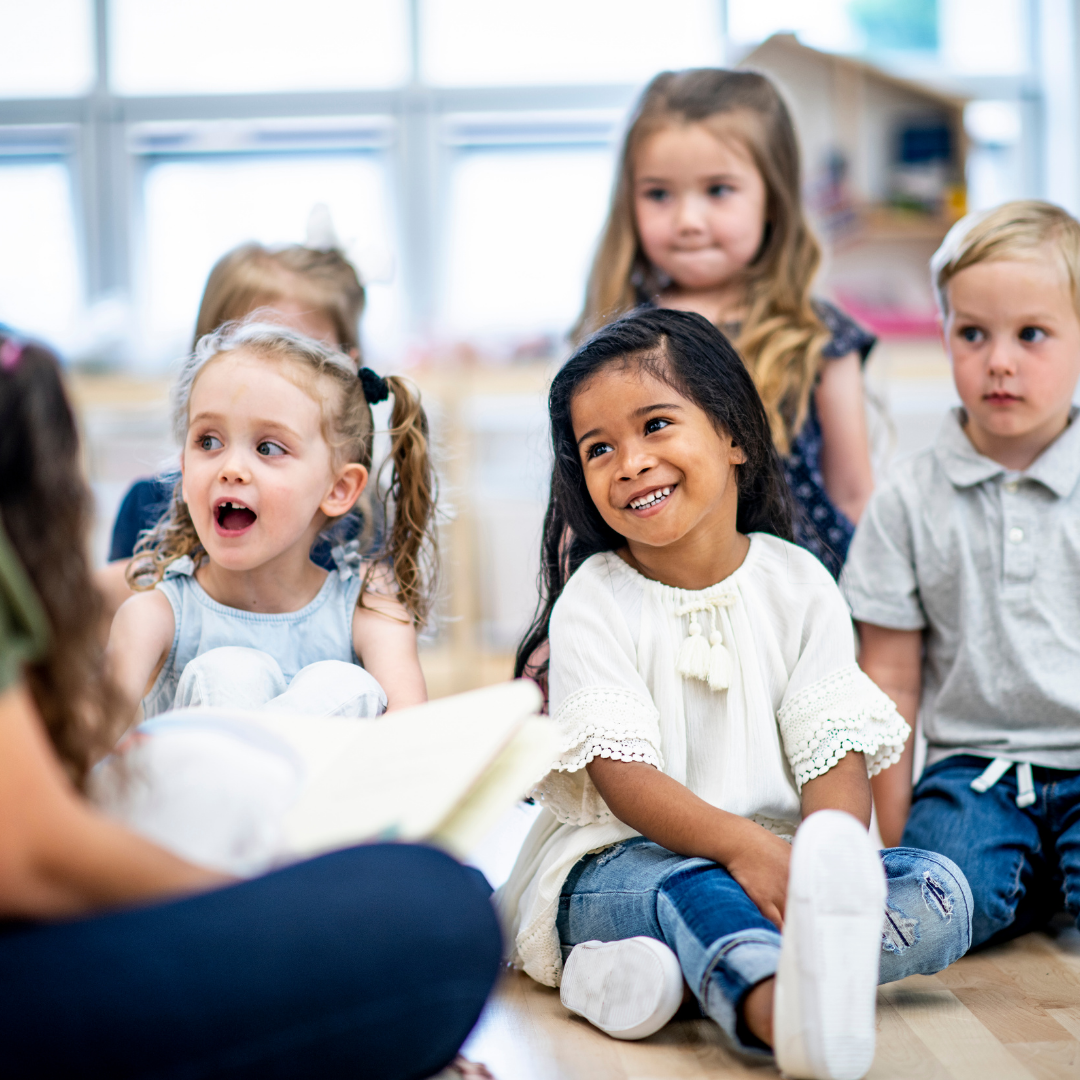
[
  {"x": 316, "y": 292},
  {"x": 707, "y": 216}
]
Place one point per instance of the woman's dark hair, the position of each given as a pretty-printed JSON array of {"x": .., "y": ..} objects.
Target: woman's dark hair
[
  {"x": 46, "y": 509},
  {"x": 692, "y": 356}
]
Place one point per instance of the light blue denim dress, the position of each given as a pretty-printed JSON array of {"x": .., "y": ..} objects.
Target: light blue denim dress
[{"x": 322, "y": 630}]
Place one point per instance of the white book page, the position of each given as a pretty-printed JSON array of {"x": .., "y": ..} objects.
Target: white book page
[{"x": 400, "y": 776}]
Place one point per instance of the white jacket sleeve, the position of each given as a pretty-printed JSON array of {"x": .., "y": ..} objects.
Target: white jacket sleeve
[
  {"x": 598, "y": 699},
  {"x": 831, "y": 706}
]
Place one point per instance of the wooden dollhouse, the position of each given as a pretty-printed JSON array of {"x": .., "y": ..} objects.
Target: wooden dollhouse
[{"x": 883, "y": 162}]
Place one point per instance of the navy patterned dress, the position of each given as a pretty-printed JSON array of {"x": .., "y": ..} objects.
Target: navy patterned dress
[{"x": 820, "y": 527}]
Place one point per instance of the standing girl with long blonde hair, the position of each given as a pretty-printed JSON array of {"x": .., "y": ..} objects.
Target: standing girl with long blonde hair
[{"x": 706, "y": 216}]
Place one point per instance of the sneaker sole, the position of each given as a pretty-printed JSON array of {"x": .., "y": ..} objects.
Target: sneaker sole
[
  {"x": 826, "y": 987},
  {"x": 629, "y": 989}
]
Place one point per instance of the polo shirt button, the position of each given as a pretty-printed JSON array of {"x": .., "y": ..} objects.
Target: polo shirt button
[
  {"x": 1012, "y": 487},
  {"x": 1016, "y": 535}
]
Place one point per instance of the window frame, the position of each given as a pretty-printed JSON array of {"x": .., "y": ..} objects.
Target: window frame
[{"x": 106, "y": 164}]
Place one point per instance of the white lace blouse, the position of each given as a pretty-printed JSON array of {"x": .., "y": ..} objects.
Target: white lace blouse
[{"x": 742, "y": 692}]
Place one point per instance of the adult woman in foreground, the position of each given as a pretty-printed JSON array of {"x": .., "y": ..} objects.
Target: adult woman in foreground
[{"x": 118, "y": 959}]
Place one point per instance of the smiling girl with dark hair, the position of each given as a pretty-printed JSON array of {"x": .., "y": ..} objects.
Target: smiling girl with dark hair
[{"x": 703, "y": 679}]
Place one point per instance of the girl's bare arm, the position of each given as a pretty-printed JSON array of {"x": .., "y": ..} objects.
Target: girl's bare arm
[
  {"x": 845, "y": 441},
  {"x": 672, "y": 816},
  {"x": 139, "y": 643},
  {"x": 844, "y": 787},
  {"x": 893, "y": 659},
  {"x": 384, "y": 638},
  {"x": 58, "y": 857}
]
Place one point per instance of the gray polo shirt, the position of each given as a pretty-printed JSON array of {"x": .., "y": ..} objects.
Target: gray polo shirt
[{"x": 987, "y": 563}]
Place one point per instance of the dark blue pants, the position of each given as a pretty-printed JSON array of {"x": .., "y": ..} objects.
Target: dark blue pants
[
  {"x": 372, "y": 962},
  {"x": 1023, "y": 864}
]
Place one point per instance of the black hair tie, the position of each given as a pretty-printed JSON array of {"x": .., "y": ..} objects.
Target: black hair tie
[{"x": 376, "y": 388}]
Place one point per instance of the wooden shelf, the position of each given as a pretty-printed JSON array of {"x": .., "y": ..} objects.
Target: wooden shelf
[{"x": 880, "y": 224}]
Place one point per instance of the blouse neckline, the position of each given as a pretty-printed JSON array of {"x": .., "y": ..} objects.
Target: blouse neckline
[{"x": 723, "y": 585}]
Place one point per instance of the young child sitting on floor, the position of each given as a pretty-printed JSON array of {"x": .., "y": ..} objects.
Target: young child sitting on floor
[
  {"x": 964, "y": 578},
  {"x": 276, "y": 431},
  {"x": 314, "y": 290},
  {"x": 704, "y": 683}
]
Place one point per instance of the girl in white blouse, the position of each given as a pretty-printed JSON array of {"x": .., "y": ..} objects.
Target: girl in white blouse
[{"x": 703, "y": 677}]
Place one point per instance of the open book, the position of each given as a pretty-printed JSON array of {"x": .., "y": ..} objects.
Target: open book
[{"x": 242, "y": 791}]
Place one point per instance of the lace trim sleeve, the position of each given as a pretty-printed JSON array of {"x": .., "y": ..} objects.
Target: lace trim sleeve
[
  {"x": 844, "y": 711},
  {"x": 597, "y": 722}
]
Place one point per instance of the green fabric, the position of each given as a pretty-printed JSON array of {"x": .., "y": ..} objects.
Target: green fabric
[{"x": 24, "y": 630}]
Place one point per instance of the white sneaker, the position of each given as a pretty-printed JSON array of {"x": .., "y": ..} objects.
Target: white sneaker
[
  {"x": 629, "y": 989},
  {"x": 826, "y": 984}
]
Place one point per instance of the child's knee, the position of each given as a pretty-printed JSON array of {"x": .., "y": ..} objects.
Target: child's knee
[
  {"x": 230, "y": 676},
  {"x": 333, "y": 688},
  {"x": 928, "y": 913}
]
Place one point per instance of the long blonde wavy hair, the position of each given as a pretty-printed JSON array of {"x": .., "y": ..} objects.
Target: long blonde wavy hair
[
  {"x": 410, "y": 546},
  {"x": 781, "y": 336}
]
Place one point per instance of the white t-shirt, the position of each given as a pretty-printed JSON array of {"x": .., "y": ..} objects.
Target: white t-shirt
[{"x": 786, "y": 700}]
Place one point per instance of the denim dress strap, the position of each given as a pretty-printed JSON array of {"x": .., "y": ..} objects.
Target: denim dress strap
[{"x": 320, "y": 630}]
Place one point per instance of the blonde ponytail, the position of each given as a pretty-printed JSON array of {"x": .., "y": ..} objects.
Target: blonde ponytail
[{"x": 411, "y": 543}]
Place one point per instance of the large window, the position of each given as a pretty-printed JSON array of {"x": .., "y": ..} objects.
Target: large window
[
  {"x": 522, "y": 225},
  {"x": 40, "y": 287},
  {"x": 935, "y": 37},
  {"x": 48, "y": 48},
  {"x": 495, "y": 42},
  {"x": 198, "y": 207},
  {"x": 245, "y": 46},
  {"x": 464, "y": 147}
]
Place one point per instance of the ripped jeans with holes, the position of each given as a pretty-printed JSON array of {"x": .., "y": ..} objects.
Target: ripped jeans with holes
[{"x": 725, "y": 945}]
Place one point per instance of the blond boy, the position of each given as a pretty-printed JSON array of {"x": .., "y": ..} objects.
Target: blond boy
[{"x": 964, "y": 578}]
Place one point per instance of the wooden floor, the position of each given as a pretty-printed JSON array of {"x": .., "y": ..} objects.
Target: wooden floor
[{"x": 1008, "y": 1013}]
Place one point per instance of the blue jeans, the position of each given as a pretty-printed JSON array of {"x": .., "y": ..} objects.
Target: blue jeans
[
  {"x": 1019, "y": 862},
  {"x": 371, "y": 962},
  {"x": 724, "y": 944}
]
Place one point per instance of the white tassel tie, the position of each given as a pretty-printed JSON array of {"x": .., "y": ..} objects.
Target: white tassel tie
[
  {"x": 694, "y": 660},
  {"x": 701, "y": 658}
]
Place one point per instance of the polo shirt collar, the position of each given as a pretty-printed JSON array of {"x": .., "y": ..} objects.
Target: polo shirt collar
[{"x": 1057, "y": 467}]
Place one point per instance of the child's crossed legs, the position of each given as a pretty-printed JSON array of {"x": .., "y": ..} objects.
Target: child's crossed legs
[
  {"x": 724, "y": 944},
  {"x": 231, "y": 677}
]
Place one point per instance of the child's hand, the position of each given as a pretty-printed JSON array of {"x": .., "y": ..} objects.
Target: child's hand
[{"x": 760, "y": 866}]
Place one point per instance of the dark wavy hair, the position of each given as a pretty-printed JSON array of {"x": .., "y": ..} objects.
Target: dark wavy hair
[
  {"x": 46, "y": 510},
  {"x": 689, "y": 354}
]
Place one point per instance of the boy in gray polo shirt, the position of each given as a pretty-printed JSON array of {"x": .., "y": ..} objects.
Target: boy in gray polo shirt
[{"x": 964, "y": 579}]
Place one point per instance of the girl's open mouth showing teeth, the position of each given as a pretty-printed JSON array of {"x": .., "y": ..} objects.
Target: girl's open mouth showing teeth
[
  {"x": 234, "y": 517},
  {"x": 653, "y": 497}
]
